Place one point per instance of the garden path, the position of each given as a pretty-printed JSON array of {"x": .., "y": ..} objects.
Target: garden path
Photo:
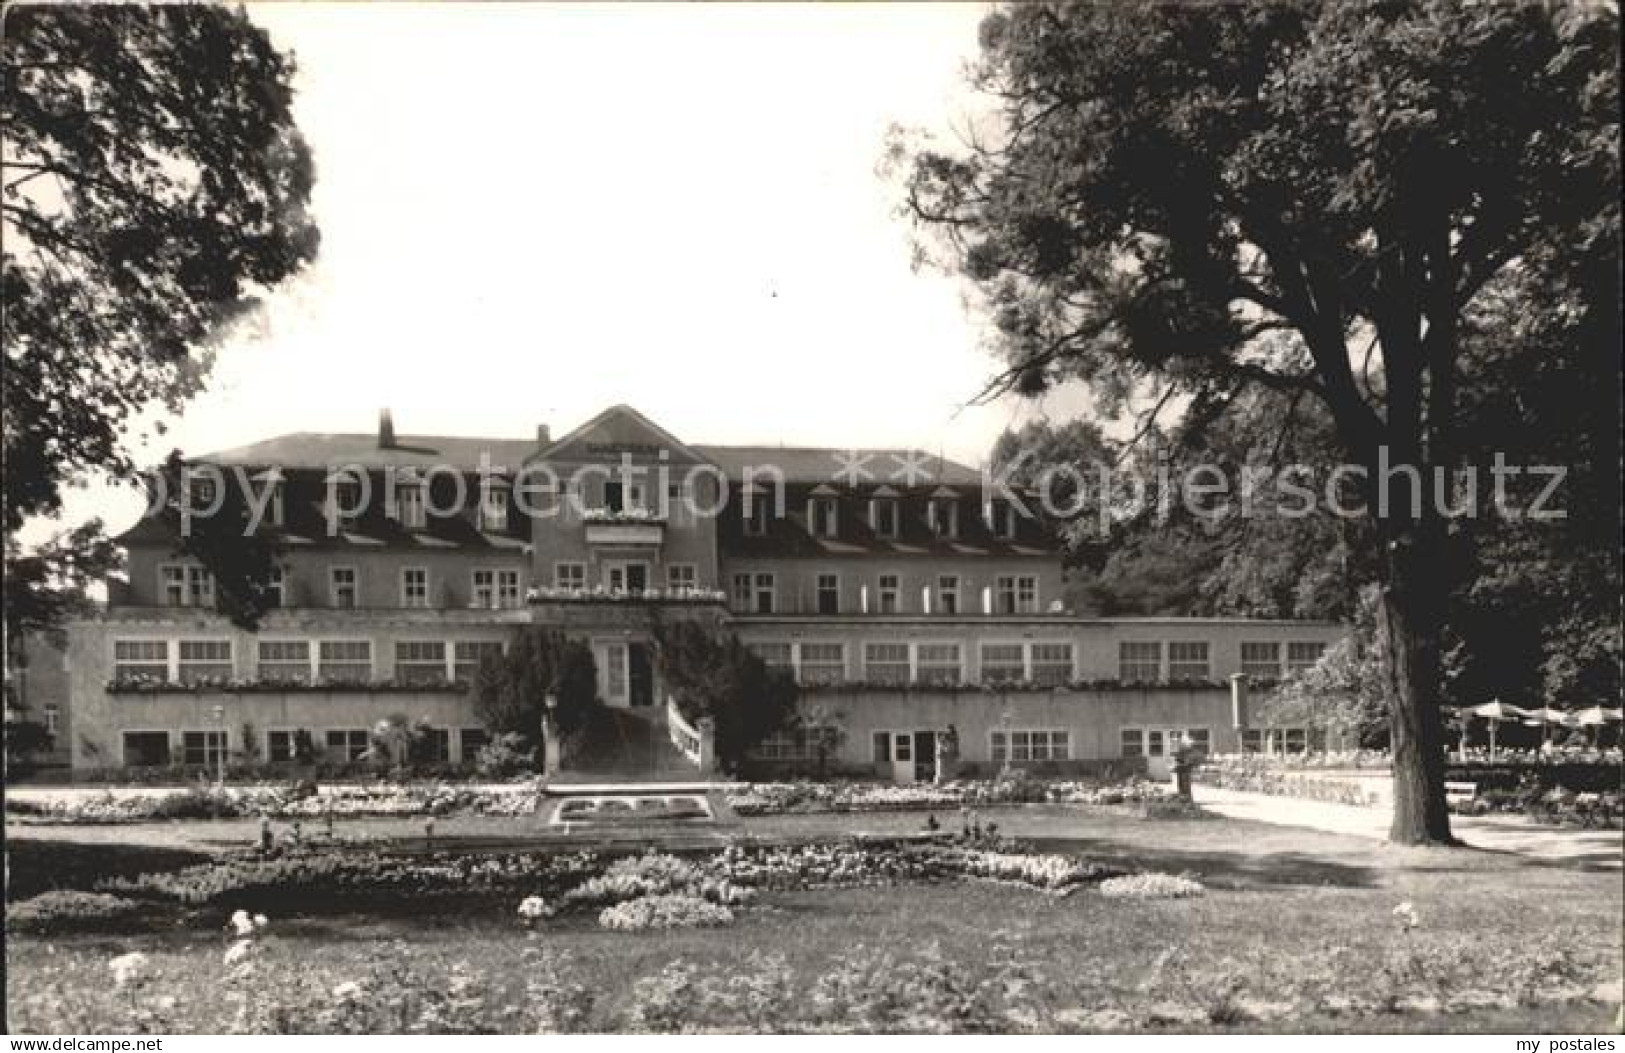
[{"x": 1603, "y": 849}]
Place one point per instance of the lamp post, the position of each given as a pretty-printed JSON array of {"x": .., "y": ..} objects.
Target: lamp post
[{"x": 220, "y": 753}]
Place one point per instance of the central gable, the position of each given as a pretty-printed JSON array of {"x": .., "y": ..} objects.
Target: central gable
[{"x": 620, "y": 431}]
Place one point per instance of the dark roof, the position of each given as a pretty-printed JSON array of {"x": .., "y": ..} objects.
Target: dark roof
[
  {"x": 308, "y": 449},
  {"x": 820, "y": 464}
]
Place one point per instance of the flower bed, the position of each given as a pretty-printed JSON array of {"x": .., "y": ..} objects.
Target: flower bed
[
  {"x": 1555, "y": 807},
  {"x": 810, "y": 797},
  {"x": 669, "y": 911},
  {"x": 1151, "y": 886},
  {"x": 286, "y": 801},
  {"x": 1243, "y": 773}
]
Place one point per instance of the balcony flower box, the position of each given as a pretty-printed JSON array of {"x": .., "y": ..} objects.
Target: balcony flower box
[{"x": 148, "y": 685}]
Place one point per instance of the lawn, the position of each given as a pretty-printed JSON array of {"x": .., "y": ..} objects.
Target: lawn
[{"x": 1297, "y": 931}]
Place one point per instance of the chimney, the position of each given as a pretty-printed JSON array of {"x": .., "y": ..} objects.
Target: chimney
[
  {"x": 544, "y": 435},
  {"x": 386, "y": 430}
]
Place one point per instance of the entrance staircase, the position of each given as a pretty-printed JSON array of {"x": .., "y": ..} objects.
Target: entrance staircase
[{"x": 626, "y": 746}]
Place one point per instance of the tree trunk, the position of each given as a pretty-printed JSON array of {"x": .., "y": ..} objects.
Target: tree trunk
[{"x": 1412, "y": 602}]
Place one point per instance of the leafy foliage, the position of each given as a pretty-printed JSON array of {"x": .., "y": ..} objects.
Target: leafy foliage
[
  {"x": 1171, "y": 185},
  {"x": 717, "y": 677},
  {"x": 511, "y": 689},
  {"x": 155, "y": 185}
]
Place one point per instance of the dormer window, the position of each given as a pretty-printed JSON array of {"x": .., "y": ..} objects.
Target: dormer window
[
  {"x": 204, "y": 492},
  {"x": 942, "y": 514},
  {"x": 754, "y": 514},
  {"x": 1001, "y": 519},
  {"x": 493, "y": 506},
  {"x": 409, "y": 510},
  {"x": 883, "y": 516},
  {"x": 343, "y": 501},
  {"x": 821, "y": 517},
  {"x": 276, "y": 508}
]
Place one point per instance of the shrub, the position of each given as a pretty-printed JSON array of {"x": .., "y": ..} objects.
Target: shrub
[{"x": 64, "y": 911}]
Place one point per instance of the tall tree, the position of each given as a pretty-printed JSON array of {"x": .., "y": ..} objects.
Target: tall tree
[
  {"x": 154, "y": 185},
  {"x": 1171, "y": 183}
]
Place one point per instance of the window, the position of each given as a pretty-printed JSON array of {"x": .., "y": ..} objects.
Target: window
[
  {"x": 1252, "y": 740},
  {"x": 624, "y": 575},
  {"x": 774, "y": 654},
  {"x": 277, "y": 586},
  {"x": 205, "y": 660},
  {"x": 470, "y": 742},
  {"x": 615, "y": 678},
  {"x": 741, "y": 593},
  {"x": 146, "y": 749},
  {"x": 764, "y": 594},
  {"x": 821, "y": 513},
  {"x": 284, "y": 661},
  {"x": 614, "y": 496},
  {"x": 1261, "y": 661},
  {"x": 348, "y": 743},
  {"x": 204, "y": 492},
  {"x": 493, "y": 507},
  {"x": 938, "y": 663},
  {"x": 797, "y": 744},
  {"x": 948, "y": 593},
  {"x": 1052, "y": 663},
  {"x": 420, "y": 661},
  {"x": 344, "y": 661},
  {"x": 823, "y": 663},
  {"x": 1017, "y": 594},
  {"x": 1294, "y": 740},
  {"x": 414, "y": 586},
  {"x": 495, "y": 588},
  {"x": 1139, "y": 661},
  {"x": 186, "y": 586},
  {"x": 881, "y": 744},
  {"x": 886, "y": 663},
  {"x": 682, "y": 577},
  {"x": 141, "y": 658},
  {"x": 467, "y": 656},
  {"x": 281, "y": 745},
  {"x": 409, "y": 506},
  {"x": 1031, "y": 745},
  {"x": 276, "y": 509},
  {"x": 1187, "y": 660},
  {"x": 1199, "y": 740},
  {"x": 883, "y": 516},
  {"x": 53, "y": 718},
  {"x": 343, "y": 501},
  {"x": 436, "y": 745},
  {"x": 754, "y": 514},
  {"x": 1003, "y": 663},
  {"x": 1301, "y": 654},
  {"x": 829, "y": 594},
  {"x": 572, "y": 576},
  {"x": 942, "y": 515},
  {"x": 203, "y": 748},
  {"x": 891, "y": 594},
  {"x": 343, "y": 586},
  {"x": 1001, "y": 519}
]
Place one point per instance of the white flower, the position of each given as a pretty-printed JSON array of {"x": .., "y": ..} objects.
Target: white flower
[
  {"x": 242, "y": 924},
  {"x": 347, "y": 990},
  {"x": 128, "y": 968},
  {"x": 238, "y": 951},
  {"x": 532, "y": 907},
  {"x": 261, "y": 921},
  {"x": 1406, "y": 915}
]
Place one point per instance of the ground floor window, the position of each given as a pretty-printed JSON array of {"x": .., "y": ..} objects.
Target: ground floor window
[
  {"x": 1282, "y": 740},
  {"x": 436, "y": 745},
  {"x": 470, "y": 742},
  {"x": 281, "y": 745},
  {"x": 1031, "y": 745},
  {"x": 203, "y": 748},
  {"x": 1161, "y": 742},
  {"x": 146, "y": 749},
  {"x": 796, "y": 744},
  {"x": 348, "y": 743}
]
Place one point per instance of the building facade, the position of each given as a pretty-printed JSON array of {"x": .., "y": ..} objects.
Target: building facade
[{"x": 903, "y": 591}]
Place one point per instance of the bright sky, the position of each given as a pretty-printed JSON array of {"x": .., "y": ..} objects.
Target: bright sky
[{"x": 531, "y": 212}]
